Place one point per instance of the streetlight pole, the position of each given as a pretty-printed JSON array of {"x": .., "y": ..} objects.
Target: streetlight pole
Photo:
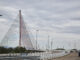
[
  {"x": 51, "y": 44},
  {"x": 36, "y": 38},
  {"x": 48, "y": 42},
  {"x": 74, "y": 44},
  {"x": 0, "y": 15}
]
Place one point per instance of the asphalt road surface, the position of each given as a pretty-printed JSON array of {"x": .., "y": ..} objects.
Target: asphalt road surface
[{"x": 72, "y": 56}]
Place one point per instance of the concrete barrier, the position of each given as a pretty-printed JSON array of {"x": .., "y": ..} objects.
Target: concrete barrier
[
  {"x": 33, "y": 56},
  {"x": 49, "y": 55}
]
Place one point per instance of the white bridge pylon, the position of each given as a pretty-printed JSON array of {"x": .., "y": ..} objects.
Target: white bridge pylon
[{"x": 17, "y": 35}]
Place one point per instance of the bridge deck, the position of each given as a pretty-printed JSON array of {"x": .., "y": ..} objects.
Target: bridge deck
[
  {"x": 72, "y": 56},
  {"x": 20, "y": 58}
]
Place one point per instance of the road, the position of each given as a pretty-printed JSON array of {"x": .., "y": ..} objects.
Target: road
[{"x": 72, "y": 56}]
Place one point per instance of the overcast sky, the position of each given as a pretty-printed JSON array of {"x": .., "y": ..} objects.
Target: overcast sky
[{"x": 60, "y": 19}]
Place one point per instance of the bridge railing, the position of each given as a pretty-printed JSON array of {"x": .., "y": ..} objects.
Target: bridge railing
[
  {"x": 49, "y": 55},
  {"x": 41, "y": 55},
  {"x": 10, "y": 54}
]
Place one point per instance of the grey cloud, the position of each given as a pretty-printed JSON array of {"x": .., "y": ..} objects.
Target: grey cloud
[
  {"x": 71, "y": 29},
  {"x": 6, "y": 14},
  {"x": 76, "y": 18},
  {"x": 51, "y": 8}
]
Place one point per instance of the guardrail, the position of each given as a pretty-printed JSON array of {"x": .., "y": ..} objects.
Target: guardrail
[
  {"x": 49, "y": 55},
  {"x": 10, "y": 54},
  {"x": 41, "y": 55}
]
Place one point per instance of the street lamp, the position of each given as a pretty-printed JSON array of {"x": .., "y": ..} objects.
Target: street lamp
[
  {"x": 48, "y": 42},
  {"x": 36, "y": 38},
  {"x": 0, "y": 15},
  {"x": 51, "y": 44}
]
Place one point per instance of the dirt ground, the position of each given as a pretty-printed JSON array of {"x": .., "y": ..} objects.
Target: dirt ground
[{"x": 72, "y": 56}]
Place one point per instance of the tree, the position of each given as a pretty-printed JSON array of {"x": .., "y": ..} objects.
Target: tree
[
  {"x": 3, "y": 50},
  {"x": 19, "y": 50},
  {"x": 12, "y": 50}
]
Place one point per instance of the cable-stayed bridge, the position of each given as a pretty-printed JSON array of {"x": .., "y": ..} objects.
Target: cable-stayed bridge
[{"x": 17, "y": 35}]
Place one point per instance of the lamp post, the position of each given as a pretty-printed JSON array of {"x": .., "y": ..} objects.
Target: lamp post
[
  {"x": 0, "y": 15},
  {"x": 36, "y": 38},
  {"x": 48, "y": 42},
  {"x": 51, "y": 44}
]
